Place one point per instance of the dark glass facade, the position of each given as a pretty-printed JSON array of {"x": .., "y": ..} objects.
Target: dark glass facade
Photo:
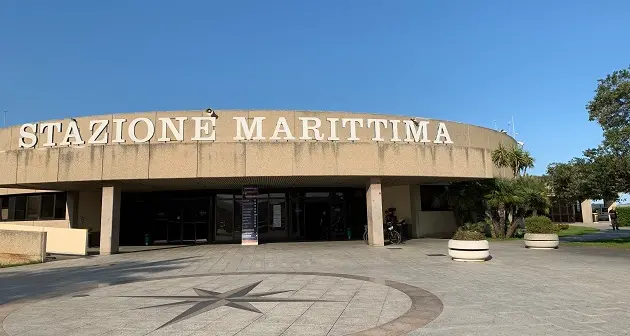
[
  {"x": 215, "y": 215},
  {"x": 32, "y": 207}
]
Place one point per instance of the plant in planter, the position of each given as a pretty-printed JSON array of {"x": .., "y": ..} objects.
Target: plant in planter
[
  {"x": 469, "y": 244},
  {"x": 541, "y": 233}
]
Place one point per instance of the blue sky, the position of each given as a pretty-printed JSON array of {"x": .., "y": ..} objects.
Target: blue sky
[{"x": 469, "y": 61}]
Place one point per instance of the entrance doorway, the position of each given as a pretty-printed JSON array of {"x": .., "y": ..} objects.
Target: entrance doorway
[{"x": 182, "y": 220}]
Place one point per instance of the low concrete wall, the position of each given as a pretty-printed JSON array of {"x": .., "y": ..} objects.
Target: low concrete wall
[
  {"x": 58, "y": 240},
  {"x": 435, "y": 224},
  {"x": 25, "y": 245},
  {"x": 56, "y": 223}
]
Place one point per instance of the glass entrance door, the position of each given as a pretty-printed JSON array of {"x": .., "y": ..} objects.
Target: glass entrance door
[
  {"x": 272, "y": 217},
  {"x": 182, "y": 220}
]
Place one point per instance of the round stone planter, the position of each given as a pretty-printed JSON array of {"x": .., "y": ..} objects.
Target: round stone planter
[
  {"x": 469, "y": 250},
  {"x": 542, "y": 241}
]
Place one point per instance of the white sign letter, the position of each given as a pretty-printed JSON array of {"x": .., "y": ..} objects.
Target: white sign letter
[
  {"x": 377, "y": 128},
  {"x": 72, "y": 132},
  {"x": 28, "y": 135},
  {"x": 442, "y": 132},
  {"x": 282, "y": 122},
  {"x": 118, "y": 125},
  {"x": 178, "y": 132},
  {"x": 333, "y": 128},
  {"x": 416, "y": 129},
  {"x": 210, "y": 136},
  {"x": 102, "y": 125},
  {"x": 353, "y": 127},
  {"x": 315, "y": 128},
  {"x": 242, "y": 127},
  {"x": 50, "y": 134},
  {"x": 132, "y": 130},
  {"x": 395, "y": 137}
]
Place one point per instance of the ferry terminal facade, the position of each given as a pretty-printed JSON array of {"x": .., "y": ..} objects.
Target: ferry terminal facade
[{"x": 179, "y": 176}]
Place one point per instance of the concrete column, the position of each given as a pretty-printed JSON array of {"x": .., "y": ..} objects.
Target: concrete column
[
  {"x": 587, "y": 212},
  {"x": 110, "y": 220},
  {"x": 72, "y": 208},
  {"x": 374, "y": 200}
]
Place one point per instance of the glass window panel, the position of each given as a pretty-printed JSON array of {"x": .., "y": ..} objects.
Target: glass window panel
[
  {"x": 33, "y": 207},
  {"x": 4, "y": 208},
  {"x": 238, "y": 219},
  {"x": 224, "y": 218},
  {"x": 431, "y": 198},
  {"x": 317, "y": 194},
  {"x": 48, "y": 206},
  {"x": 60, "y": 205},
  {"x": 17, "y": 208},
  {"x": 263, "y": 216}
]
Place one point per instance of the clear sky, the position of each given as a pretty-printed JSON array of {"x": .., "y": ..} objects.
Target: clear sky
[{"x": 469, "y": 61}]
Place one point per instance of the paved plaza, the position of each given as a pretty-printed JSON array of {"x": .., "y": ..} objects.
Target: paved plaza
[{"x": 328, "y": 288}]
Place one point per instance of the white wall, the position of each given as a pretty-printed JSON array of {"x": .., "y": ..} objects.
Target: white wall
[{"x": 433, "y": 224}]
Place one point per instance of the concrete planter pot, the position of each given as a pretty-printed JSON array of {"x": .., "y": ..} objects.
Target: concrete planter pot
[
  {"x": 542, "y": 241},
  {"x": 469, "y": 250}
]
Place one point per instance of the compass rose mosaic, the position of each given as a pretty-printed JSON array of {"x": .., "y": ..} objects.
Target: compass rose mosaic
[{"x": 303, "y": 303}]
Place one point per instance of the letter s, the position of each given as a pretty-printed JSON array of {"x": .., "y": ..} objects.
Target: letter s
[{"x": 24, "y": 134}]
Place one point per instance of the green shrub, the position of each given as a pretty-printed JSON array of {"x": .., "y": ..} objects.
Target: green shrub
[
  {"x": 468, "y": 235},
  {"x": 623, "y": 216},
  {"x": 563, "y": 226},
  {"x": 540, "y": 224},
  {"x": 476, "y": 227}
]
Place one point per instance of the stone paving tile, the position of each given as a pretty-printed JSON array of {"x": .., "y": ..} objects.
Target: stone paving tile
[
  {"x": 569, "y": 291},
  {"x": 307, "y": 330}
]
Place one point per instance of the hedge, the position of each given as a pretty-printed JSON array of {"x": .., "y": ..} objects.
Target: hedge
[{"x": 623, "y": 216}]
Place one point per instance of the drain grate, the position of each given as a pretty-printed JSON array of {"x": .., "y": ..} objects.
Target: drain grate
[{"x": 436, "y": 255}]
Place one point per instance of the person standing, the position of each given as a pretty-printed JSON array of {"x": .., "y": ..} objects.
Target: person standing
[{"x": 612, "y": 212}]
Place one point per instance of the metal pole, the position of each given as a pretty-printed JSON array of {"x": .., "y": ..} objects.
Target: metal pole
[
  {"x": 513, "y": 128},
  {"x": 5, "y": 118}
]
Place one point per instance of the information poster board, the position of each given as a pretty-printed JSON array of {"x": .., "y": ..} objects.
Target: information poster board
[
  {"x": 249, "y": 216},
  {"x": 277, "y": 216}
]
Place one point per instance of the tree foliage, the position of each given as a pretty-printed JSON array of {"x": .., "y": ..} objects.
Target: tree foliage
[
  {"x": 514, "y": 157},
  {"x": 611, "y": 109},
  {"x": 603, "y": 172}
]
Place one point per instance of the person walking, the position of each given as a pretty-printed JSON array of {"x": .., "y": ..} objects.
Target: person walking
[{"x": 612, "y": 212}]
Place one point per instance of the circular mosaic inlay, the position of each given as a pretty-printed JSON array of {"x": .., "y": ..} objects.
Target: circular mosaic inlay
[{"x": 265, "y": 303}]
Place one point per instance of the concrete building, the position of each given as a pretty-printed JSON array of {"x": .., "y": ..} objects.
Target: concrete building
[{"x": 191, "y": 176}]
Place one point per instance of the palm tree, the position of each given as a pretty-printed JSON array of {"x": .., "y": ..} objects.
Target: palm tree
[
  {"x": 502, "y": 199},
  {"x": 522, "y": 159},
  {"x": 501, "y": 157},
  {"x": 513, "y": 157}
]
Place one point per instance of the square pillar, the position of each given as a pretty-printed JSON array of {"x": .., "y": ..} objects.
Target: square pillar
[
  {"x": 587, "y": 212},
  {"x": 374, "y": 200},
  {"x": 72, "y": 208},
  {"x": 110, "y": 220}
]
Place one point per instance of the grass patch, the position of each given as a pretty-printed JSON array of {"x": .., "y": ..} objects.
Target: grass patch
[
  {"x": 614, "y": 243},
  {"x": 575, "y": 230}
]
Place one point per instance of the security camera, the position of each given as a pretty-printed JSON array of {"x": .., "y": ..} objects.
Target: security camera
[
  {"x": 212, "y": 113},
  {"x": 521, "y": 143}
]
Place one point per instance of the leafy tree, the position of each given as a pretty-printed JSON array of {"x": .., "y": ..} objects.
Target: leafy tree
[
  {"x": 466, "y": 199},
  {"x": 597, "y": 175},
  {"x": 611, "y": 109},
  {"x": 564, "y": 182}
]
